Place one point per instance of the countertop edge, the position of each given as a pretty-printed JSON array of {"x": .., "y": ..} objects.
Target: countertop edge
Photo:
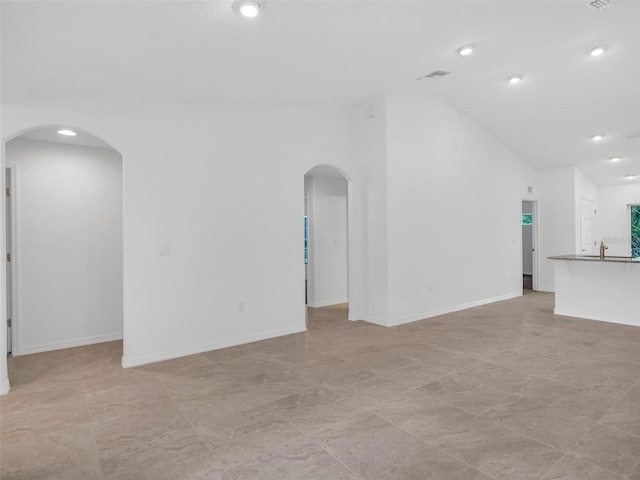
[{"x": 595, "y": 258}]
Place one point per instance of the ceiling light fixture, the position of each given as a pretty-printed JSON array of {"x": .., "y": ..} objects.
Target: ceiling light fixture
[
  {"x": 614, "y": 159},
  {"x": 465, "y": 50},
  {"x": 597, "y": 137},
  {"x": 515, "y": 79},
  {"x": 67, "y": 132},
  {"x": 598, "y": 50},
  {"x": 248, "y": 8},
  {"x": 630, "y": 176}
]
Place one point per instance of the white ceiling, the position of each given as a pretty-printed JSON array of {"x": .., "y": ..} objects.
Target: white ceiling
[
  {"x": 343, "y": 52},
  {"x": 50, "y": 134}
]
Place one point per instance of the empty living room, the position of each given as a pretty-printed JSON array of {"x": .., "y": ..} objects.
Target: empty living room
[{"x": 320, "y": 240}]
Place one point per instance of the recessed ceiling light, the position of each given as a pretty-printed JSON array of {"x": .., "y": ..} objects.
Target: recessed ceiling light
[
  {"x": 630, "y": 176},
  {"x": 67, "y": 132},
  {"x": 614, "y": 159},
  {"x": 465, "y": 50},
  {"x": 472, "y": 105},
  {"x": 248, "y": 8},
  {"x": 514, "y": 79},
  {"x": 597, "y": 137},
  {"x": 598, "y": 50}
]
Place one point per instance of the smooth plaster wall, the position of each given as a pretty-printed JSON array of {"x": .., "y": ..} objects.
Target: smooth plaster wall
[
  {"x": 557, "y": 215},
  {"x": 223, "y": 188},
  {"x": 585, "y": 189},
  {"x": 454, "y": 200},
  {"x": 613, "y": 211},
  {"x": 68, "y": 253},
  {"x": 225, "y": 180},
  {"x": 328, "y": 236},
  {"x": 370, "y": 212}
]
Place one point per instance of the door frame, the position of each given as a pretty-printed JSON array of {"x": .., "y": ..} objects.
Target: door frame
[
  {"x": 12, "y": 289},
  {"x": 535, "y": 242}
]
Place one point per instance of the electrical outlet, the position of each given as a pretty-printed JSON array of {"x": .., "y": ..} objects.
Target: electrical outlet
[
  {"x": 165, "y": 251},
  {"x": 242, "y": 306}
]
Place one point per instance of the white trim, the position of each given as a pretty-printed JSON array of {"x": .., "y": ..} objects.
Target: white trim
[
  {"x": 378, "y": 321},
  {"x": 158, "y": 357},
  {"x": 4, "y": 388},
  {"x": 78, "y": 342},
  {"x": 15, "y": 260},
  {"x": 328, "y": 303},
  {"x": 443, "y": 311},
  {"x": 606, "y": 320}
]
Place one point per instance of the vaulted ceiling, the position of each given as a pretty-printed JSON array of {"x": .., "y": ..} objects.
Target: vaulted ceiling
[{"x": 344, "y": 52}]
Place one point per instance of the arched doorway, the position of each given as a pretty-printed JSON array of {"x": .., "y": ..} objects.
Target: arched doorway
[
  {"x": 327, "y": 279},
  {"x": 64, "y": 240}
]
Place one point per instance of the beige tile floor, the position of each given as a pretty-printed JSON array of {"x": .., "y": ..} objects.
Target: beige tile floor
[{"x": 504, "y": 391}]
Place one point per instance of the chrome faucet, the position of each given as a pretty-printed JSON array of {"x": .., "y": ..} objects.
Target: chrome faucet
[{"x": 603, "y": 247}]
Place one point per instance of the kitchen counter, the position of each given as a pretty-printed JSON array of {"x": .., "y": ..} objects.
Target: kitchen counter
[
  {"x": 598, "y": 289},
  {"x": 596, "y": 258}
]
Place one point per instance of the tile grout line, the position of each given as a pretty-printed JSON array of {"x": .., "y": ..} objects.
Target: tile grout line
[
  {"x": 426, "y": 442},
  {"x": 315, "y": 442},
  {"x": 596, "y": 422}
]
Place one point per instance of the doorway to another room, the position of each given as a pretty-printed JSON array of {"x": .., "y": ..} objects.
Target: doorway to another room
[
  {"x": 326, "y": 229},
  {"x": 529, "y": 254},
  {"x": 64, "y": 241}
]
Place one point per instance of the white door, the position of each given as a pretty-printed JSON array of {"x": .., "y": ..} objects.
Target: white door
[{"x": 588, "y": 243}]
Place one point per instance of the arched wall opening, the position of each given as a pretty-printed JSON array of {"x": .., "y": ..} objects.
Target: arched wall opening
[
  {"x": 63, "y": 228},
  {"x": 327, "y": 225}
]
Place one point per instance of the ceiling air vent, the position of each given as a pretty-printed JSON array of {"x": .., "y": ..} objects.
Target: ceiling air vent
[
  {"x": 630, "y": 136},
  {"x": 600, "y": 4},
  {"x": 436, "y": 74}
]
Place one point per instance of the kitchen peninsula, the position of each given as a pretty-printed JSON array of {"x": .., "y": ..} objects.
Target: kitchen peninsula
[{"x": 596, "y": 288}]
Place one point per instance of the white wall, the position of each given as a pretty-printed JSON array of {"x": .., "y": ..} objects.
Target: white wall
[
  {"x": 454, "y": 199},
  {"x": 328, "y": 266},
  {"x": 223, "y": 188},
  {"x": 614, "y": 216},
  {"x": 585, "y": 189},
  {"x": 557, "y": 221},
  {"x": 68, "y": 253},
  {"x": 527, "y": 241},
  {"x": 369, "y": 222}
]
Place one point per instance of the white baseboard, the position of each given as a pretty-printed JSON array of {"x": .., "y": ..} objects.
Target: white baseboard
[
  {"x": 328, "y": 303},
  {"x": 393, "y": 322},
  {"x": 377, "y": 320},
  {"x": 136, "y": 361},
  {"x": 633, "y": 323},
  {"x": 451, "y": 309},
  {"x": 77, "y": 342}
]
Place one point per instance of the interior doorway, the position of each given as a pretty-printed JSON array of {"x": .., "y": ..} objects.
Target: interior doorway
[
  {"x": 529, "y": 246},
  {"x": 64, "y": 240},
  {"x": 326, "y": 224}
]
